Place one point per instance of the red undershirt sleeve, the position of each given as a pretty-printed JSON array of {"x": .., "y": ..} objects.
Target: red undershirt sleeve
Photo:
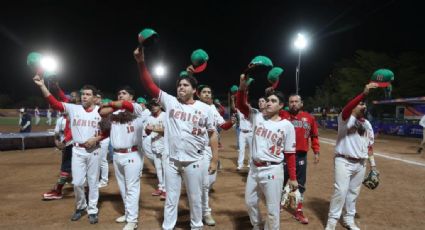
[
  {"x": 290, "y": 162},
  {"x": 346, "y": 112},
  {"x": 147, "y": 82},
  {"x": 226, "y": 125},
  {"x": 241, "y": 104},
  {"x": 55, "y": 104}
]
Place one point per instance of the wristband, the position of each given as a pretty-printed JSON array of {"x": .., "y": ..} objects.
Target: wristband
[{"x": 372, "y": 161}]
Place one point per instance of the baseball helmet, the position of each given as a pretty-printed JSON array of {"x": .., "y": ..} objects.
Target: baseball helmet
[
  {"x": 382, "y": 77},
  {"x": 199, "y": 60},
  {"x": 147, "y": 37},
  {"x": 34, "y": 59},
  {"x": 141, "y": 100},
  {"x": 274, "y": 74}
]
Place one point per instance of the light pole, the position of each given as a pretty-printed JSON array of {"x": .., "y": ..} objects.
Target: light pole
[
  {"x": 159, "y": 72},
  {"x": 300, "y": 43}
]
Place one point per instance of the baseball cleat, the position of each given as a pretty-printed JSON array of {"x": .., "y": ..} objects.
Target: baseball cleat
[
  {"x": 163, "y": 196},
  {"x": 157, "y": 192},
  {"x": 209, "y": 220},
  {"x": 93, "y": 218},
  {"x": 350, "y": 226},
  {"x": 130, "y": 226},
  {"x": 103, "y": 184},
  {"x": 77, "y": 214},
  {"x": 120, "y": 219},
  {"x": 299, "y": 215},
  {"x": 52, "y": 195}
]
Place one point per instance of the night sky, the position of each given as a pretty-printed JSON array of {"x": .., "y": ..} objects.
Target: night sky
[{"x": 95, "y": 39}]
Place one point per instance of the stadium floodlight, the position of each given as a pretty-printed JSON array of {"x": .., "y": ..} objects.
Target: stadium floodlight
[
  {"x": 49, "y": 64},
  {"x": 300, "y": 43}
]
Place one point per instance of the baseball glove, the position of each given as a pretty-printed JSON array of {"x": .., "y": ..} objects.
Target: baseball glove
[
  {"x": 290, "y": 199},
  {"x": 372, "y": 179}
]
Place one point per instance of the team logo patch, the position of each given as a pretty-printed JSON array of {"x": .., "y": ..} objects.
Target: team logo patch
[
  {"x": 301, "y": 162},
  {"x": 270, "y": 177},
  {"x": 304, "y": 119}
]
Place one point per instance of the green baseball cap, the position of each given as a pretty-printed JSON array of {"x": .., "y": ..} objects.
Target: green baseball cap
[
  {"x": 199, "y": 60},
  {"x": 259, "y": 65},
  {"x": 274, "y": 74},
  {"x": 33, "y": 59},
  {"x": 147, "y": 37},
  {"x": 184, "y": 73},
  {"x": 50, "y": 74},
  {"x": 141, "y": 100},
  {"x": 234, "y": 89},
  {"x": 382, "y": 77},
  {"x": 105, "y": 100}
]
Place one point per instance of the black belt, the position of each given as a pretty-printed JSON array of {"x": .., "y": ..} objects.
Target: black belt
[
  {"x": 126, "y": 150},
  {"x": 265, "y": 163},
  {"x": 245, "y": 131},
  {"x": 82, "y": 145},
  {"x": 349, "y": 158}
]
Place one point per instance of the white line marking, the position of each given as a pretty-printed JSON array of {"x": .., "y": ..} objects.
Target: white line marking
[{"x": 383, "y": 155}]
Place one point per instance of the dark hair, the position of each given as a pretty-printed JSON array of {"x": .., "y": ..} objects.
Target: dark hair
[
  {"x": 192, "y": 81},
  {"x": 278, "y": 94},
  {"x": 295, "y": 95},
  {"x": 99, "y": 93},
  {"x": 128, "y": 89},
  {"x": 90, "y": 87}
]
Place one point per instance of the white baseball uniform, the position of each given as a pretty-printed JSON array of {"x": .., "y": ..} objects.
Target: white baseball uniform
[
  {"x": 271, "y": 139},
  {"x": 186, "y": 133},
  {"x": 85, "y": 162},
  {"x": 104, "y": 165},
  {"x": 60, "y": 128},
  {"x": 209, "y": 179},
  {"x": 157, "y": 148},
  {"x": 351, "y": 152},
  {"x": 245, "y": 136},
  {"x": 128, "y": 163},
  {"x": 37, "y": 116},
  {"x": 49, "y": 117}
]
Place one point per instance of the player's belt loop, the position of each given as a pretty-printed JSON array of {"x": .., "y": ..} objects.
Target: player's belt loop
[
  {"x": 126, "y": 150},
  {"x": 80, "y": 145}
]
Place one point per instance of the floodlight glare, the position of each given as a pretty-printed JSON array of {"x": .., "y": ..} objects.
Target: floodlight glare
[
  {"x": 49, "y": 64},
  {"x": 159, "y": 70},
  {"x": 300, "y": 42}
]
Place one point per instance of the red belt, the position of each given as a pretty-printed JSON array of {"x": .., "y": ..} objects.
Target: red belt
[
  {"x": 265, "y": 163},
  {"x": 128, "y": 150},
  {"x": 348, "y": 157}
]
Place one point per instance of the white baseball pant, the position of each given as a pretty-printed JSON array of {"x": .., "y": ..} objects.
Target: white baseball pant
[
  {"x": 158, "y": 161},
  {"x": 104, "y": 166},
  {"x": 244, "y": 138},
  {"x": 207, "y": 182},
  {"x": 86, "y": 165},
  {"x": 127, "y": 171},
  {"x": 266, "y": 180},
  {"x": 192, "y": 174},
  {"x": 348, "y": 180}
]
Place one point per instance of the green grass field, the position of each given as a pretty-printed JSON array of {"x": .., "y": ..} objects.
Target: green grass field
[{"x": 13, "y": 121}]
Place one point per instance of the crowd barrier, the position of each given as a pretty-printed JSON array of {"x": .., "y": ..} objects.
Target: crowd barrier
[{"x": 13, "y": 141}]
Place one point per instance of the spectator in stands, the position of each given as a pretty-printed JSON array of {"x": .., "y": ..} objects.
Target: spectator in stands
[
  {"x": 422, "y": 123},
  {"x": 25, "y": 125},
  {"x": 36, "y": 115}
]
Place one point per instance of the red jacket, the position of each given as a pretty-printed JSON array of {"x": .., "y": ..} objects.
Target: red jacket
[{"x": 305, "y": 129}]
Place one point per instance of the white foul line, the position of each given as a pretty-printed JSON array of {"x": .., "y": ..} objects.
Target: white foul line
[{"x": 384, "y": 155}]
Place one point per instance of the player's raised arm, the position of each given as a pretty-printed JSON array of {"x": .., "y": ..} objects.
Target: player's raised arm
[
  {"x": 346, "y": 111},
  {"x": 55, "y": 104},
  {"x": 145, "y": 76},
  {"x": 242, "y": 96}
]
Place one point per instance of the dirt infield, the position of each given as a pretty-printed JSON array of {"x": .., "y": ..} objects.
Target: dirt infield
[{"x": 398, "y": 202}]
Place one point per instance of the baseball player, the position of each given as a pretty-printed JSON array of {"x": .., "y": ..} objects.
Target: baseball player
[
  {"x": 104, "y": 148},
  {"x": 25, "y": 121},
  {"x": 84, "y": 120},
  {"x": 273, "y": 141},
  {"x": 355, "y": 137},
  {"x": 126, "y": 133},
  {"x": 305, "y": 129},
  {"x": 63, "y": 142},
  {"x": 37, "y": 115},
  {"x": 205, "y": 95},
  {"x": 245, "y": 137},
  {"x": 155, "y": 129},
  {"x": 422, "y": 123},
  {"x": 188, "y": 129},
  {"x": 49, "y": 116}
]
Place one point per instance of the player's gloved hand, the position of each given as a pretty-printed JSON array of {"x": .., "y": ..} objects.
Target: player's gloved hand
[
  {"x": 138, "y": 55},
  {"x": 213, "y": 167},
  {"x": 293, "y": 184}
]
